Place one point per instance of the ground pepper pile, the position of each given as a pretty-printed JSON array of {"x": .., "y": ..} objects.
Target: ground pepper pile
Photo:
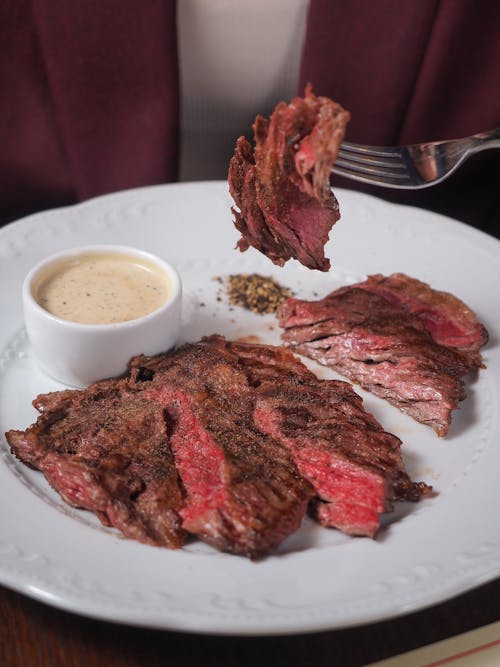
[{"x": 257, "y": 293}]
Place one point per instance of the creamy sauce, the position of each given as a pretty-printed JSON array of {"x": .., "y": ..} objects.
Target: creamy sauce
[{"x": 102, "y": 288}]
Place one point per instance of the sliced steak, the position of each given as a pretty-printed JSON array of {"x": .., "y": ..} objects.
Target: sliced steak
[
  {"x": 228, "y": 441},
  {"x": 355, "y": 467},
  {"x": 105, "y": 449},
  {"x": 244, "y": 492},
  {"x": 449, "y": 320},
  {"x": 381, "y": 346},
  {"x": 284, "y": 203}
]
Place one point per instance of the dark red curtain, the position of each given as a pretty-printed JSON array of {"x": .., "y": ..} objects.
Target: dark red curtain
[
  {"x": 89, "y": 94},
  {"x": 410, "y": 71}
]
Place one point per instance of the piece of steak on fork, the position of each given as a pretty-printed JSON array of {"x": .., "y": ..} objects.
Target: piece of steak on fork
[{"x": 284, "y": 205}]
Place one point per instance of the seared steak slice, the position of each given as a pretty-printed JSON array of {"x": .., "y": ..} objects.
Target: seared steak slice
[
  {"x": 284, "y": 204},
  {"x": 449, "y": 320},
  {"x": 382, "y": 347},
  {"x": 106, "y": 449},
  {"x": 244, "y": 492},
  {"x": 354, "y": 466}
]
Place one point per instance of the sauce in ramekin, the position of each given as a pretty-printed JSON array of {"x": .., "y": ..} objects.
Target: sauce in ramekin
[{"x": 102, "y": 288}]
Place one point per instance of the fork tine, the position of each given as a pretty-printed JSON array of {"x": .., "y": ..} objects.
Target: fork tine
[
  {"x": 378, "y": 164},
  {"x": 377, "y": 177},
  {"x": 384, "y": 180},
  {"x": 373, "y": 169},
  {"x": 391, "y": 162},
  {"x": 367, "y": 151}
]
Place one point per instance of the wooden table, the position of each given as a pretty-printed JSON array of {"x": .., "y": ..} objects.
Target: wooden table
[{"x": 35, "y": 635}]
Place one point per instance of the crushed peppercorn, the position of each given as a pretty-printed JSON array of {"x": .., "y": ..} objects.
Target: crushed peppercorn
[{"x": 257, "y": 293}]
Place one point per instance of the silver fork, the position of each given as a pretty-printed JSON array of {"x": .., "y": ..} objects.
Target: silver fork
[{"x": 410, "y": 167}]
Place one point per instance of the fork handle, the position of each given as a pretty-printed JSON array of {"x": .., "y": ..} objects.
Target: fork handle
[{"x": 488, "y": 139}]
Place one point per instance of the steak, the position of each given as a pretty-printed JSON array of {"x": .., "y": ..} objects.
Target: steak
[
  {"x": 105, "y": 449},
  {"x": 285, "y": 207},
  {"x": 448, "y": 319},
  {"x": 227, "y": 441},
  {"x": 386, "y": 347},
  {"x": 244, "y": 493},
  {"x": 355, "y": 467}
]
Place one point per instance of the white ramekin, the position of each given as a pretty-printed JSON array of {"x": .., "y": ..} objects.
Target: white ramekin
[{"x": 79, "y": 354}]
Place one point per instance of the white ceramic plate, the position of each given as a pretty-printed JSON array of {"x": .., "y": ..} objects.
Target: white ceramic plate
[{"x": 319, "y": 579}]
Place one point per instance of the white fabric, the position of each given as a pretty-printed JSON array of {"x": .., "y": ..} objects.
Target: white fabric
[{"x": 237, "y": 58}]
